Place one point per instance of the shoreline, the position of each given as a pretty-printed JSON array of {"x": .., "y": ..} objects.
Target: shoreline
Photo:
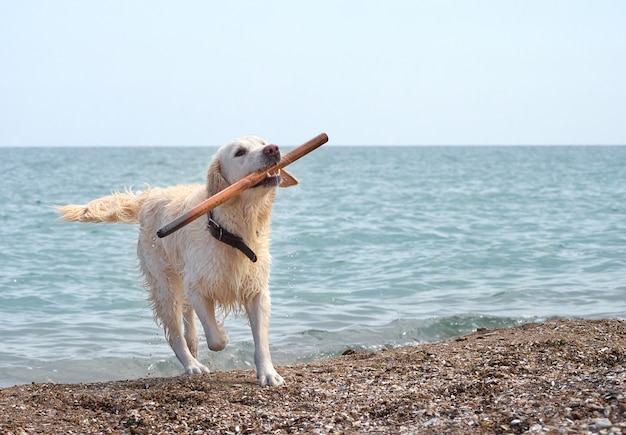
[{"x": 555, "y": 376}]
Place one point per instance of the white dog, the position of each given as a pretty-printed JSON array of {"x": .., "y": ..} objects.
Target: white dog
[{"x": 218, "y": 262}]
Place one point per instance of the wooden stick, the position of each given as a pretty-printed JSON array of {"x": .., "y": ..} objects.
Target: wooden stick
[{"x": 245, "y": 183}]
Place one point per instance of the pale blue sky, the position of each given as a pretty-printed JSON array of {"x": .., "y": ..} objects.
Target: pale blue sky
[{"x": 366, "y": 72}]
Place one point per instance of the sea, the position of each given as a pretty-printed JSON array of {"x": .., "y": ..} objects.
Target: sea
[{"x": 378, "y": 247}]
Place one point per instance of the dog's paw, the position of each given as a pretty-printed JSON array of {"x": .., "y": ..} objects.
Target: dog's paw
[
  {"x": 195, "y": 368},
  {"x": 270, "y": 379},
  {"x": 218, "y": 339},
  {"x": 218, "y": 343}
]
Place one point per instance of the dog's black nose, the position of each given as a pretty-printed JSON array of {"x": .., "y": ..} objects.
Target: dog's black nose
[{"x": 271, "y": 150}]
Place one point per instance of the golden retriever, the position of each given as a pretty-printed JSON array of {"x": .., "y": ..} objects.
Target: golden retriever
[{"x": 193, "y": 272}]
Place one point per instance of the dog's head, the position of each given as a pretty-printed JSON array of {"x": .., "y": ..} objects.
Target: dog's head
[{"x": 239, "y": 158}]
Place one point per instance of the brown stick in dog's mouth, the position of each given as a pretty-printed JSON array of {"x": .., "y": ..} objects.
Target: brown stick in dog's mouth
[
  {"x": 247, "y": 182},
  {"x": 271, "y": 180}
]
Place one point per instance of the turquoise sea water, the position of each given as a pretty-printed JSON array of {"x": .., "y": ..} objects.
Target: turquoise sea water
[{"x": 378, "y": 246}]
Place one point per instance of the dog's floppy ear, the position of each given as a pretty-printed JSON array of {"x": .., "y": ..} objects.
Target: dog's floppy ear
[{"x": 215, "y": 181}]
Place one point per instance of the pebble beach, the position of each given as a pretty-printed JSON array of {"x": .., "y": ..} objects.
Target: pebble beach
[{"x": 560, "y": 376}]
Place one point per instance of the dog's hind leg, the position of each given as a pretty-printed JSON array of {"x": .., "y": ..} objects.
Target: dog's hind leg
[
  {"x": 191, "y": 332},
  {"x": 179, "y": 346},
  {"x": 170, "y": 309},
  {"x": 175, "y": 337}
]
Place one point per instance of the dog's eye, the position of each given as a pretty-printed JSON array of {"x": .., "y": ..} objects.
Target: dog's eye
[{"x": 241, "y": 152}]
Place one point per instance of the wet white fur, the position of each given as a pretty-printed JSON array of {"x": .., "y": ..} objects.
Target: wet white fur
[{"x": 191, "y": 273}]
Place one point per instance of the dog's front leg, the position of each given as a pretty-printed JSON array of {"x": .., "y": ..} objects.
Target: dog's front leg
[
  {"x": 258, "y": 310},
  {"x": 216, "y": 337}
]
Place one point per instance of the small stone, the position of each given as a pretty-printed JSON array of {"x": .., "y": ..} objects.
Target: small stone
[
  {"x": 430, "y": 422},
  {"x": 602, "y": 423},
  {"x": 516, "y": 422}
]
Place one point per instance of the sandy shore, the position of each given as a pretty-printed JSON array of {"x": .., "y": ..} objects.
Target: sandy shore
[{"x": 553, "y": 377}]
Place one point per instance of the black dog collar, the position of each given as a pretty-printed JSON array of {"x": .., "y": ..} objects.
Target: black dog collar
[{"x": 229, "y": 238}]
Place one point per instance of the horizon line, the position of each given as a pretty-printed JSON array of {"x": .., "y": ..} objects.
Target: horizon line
[{"x": 329, "y": 144}]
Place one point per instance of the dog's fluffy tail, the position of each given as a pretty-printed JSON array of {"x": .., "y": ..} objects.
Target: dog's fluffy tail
[{"x": 121, "y": 207}]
